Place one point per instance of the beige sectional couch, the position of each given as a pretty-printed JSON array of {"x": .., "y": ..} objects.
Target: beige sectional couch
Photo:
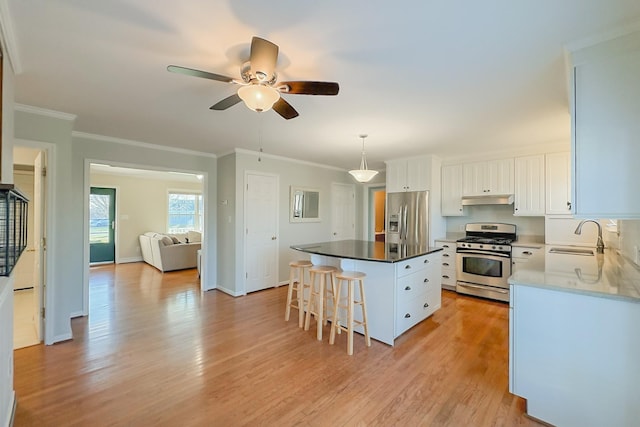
[{"x": 168, "y": 252}]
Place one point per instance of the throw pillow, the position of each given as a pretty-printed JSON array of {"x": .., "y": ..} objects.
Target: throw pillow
[
  {"x": 175, "y": 240},
  {"x": 167, "y": 241}
]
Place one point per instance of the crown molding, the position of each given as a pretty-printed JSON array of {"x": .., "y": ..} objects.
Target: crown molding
[
  {"x": 286, "y": 159},
  {"x": 45, "y": 112},
  {"x": 9, "y": 38},
  {"x": 133, "y": 143},
  {"x": 603, "y": 37}
]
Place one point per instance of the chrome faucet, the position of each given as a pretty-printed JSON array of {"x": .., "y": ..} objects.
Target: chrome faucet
[{"x": 600, "y": 243}]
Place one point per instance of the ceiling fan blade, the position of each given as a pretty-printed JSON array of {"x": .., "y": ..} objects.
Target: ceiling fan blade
[
  {"x": 310, "y": 88},
  {"x": 285, "y": 109},
  {"x": 229, "y": 101},
  {"x": 264, "y": 56},
  {"x": 198, "y": 73}
]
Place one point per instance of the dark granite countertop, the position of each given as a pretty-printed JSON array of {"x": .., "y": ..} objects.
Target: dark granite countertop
[{"x": 366, "y": 251}]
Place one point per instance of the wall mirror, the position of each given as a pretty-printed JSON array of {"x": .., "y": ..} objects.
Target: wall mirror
[{"x": 305, "y": 205}]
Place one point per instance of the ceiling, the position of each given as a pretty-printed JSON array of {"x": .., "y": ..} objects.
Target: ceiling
[{"x": 423, "y": 76}]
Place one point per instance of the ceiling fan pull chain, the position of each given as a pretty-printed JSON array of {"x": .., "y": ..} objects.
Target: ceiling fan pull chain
[{"x": 260, "y": 136}]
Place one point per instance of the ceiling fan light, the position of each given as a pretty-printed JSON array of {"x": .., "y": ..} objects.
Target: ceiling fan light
[{"x": 258, "y": 97}]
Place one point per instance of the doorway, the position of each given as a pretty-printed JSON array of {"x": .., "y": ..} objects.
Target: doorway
[
  {"x": 29, "y": 273},
  {"x": 261, "y": 225},
  {"x": 343, "y": 211},
  {"x": 102, "y": 219},
  {"x": 377, "y": 213}
]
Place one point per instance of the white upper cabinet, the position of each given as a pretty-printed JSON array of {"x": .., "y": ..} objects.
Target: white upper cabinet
[
  {"x": 558, "y": 183},
  {"x": 452, "y": 190},
  {"x": 529, "y": 186},
  {"x": 606, "y": 128},
  {"x": 493, "y": 177},
  {"x": 408, "y": 175}
]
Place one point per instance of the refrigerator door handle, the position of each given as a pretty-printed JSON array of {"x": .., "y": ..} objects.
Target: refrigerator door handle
[
  {"x": 400, "y": 223},
  {"x": 405, "y": 226}
]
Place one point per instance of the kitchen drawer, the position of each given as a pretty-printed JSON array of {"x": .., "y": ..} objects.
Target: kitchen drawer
[
  {"x": 448, "y": 280},
  {"x": 416, "y": 310},
  {"x": 526, "y": 252},
  {"x": 416, "y": 283},
  {"x": 415, "y": 264}
]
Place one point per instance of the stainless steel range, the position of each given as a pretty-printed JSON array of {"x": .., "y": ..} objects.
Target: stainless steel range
[{"x": 484, "y": 260}]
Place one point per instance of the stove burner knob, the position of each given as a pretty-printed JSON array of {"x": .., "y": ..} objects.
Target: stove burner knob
[
  {"x": 481, "y": 246},
  {"x": 493, "y": 247}
]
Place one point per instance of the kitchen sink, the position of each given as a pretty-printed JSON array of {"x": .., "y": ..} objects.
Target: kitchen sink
[{"x": 571, "y": 251}]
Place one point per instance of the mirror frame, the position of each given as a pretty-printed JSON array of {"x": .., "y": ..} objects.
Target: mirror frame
[{"x": 293, "y": 190}]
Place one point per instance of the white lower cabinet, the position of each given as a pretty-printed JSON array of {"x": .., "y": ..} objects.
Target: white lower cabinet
[
  {"x": 417, "y": 291},
  {"x": 448, "y": 273},
  {"x": 574, "y": 357}
]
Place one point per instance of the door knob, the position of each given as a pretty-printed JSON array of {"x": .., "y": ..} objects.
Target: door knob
[{"x": 273, "y": 237}]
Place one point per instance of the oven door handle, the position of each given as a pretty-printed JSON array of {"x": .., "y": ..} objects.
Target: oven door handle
[
  {"x": 468, "y": 285},
  {"x": 484, "y": 254}
]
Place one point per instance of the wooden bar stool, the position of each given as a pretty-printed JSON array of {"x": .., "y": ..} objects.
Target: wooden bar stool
[
  {"x": 347, "y": 303},
  {"x": 318, "y": 296},
  {"x": 297, "y": 284}
]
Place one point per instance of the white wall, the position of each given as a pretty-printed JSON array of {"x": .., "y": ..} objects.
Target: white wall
[
  {"x": 526, "y": 226},
  {"x": 67, "y": 238},
  {"x": 290, "y": 173},
  {"x": 141, "y": 206},
  {"x": 6, "y": 283}
]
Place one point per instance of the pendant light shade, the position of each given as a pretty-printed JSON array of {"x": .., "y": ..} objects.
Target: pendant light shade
[
  {"x": 363, "y": 174},
  {"x": 258, "y": 97}
]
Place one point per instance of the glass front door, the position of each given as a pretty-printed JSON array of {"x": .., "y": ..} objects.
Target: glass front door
[{"x": 102, "y": 215}]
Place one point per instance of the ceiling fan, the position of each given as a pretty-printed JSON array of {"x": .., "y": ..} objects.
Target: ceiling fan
[{"x": 259, "y": 87}]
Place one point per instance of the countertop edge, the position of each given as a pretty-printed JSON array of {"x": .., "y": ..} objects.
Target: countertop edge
[
  {"x": 582, "y": 292},
  {"x": 429, "y": 251}
]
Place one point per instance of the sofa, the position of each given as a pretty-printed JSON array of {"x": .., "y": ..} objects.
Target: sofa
[{"x": 169, "y": 252}]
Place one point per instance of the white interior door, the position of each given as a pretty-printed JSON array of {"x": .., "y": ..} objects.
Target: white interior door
[
  {"x": 39, "y": 183},
  {"x": 261, "y": 228},
  {"x": 343, "y": 211}
]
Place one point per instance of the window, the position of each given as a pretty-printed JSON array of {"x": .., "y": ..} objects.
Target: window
[{"x": 185, "y": 212}]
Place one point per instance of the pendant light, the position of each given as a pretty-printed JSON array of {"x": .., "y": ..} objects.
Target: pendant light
[{"x": 363, "y": 174}]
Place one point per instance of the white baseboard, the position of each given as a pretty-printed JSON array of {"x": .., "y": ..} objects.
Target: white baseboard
[
  {"x": 62, "y": 337},
  {"x": 129, "y": 259},
  {"x": 229, "y": 292}
]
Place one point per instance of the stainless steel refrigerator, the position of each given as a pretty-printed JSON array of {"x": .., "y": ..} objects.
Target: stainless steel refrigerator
[{"x": 408, "y": 218}]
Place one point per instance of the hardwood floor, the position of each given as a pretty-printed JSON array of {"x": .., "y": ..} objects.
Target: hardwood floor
[{"x": 154, "y": 351}]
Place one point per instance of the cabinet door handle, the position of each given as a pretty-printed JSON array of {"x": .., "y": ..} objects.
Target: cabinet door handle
[
  {"x": 527, "y": 253},
  {"x": 407, "y": 267},
  {"x": 425, "y": 280},
  {"x": 426, "y": 304},
  {"x": 408, "y": 288},
  {"x": 426, "y": 261},
  {"x": 445, "y": 276},
  {"x": 445, "y": 246},
  {"x": 569, "y": 205},
  {"x": 406, "y": 316},
  {"x": 445, "y": 264},
  {"x": 445, "y": 255}
]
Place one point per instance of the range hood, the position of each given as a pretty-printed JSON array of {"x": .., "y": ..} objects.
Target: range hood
[{"x": 494, "y": 199}]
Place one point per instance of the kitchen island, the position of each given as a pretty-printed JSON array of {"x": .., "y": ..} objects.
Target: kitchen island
[
  {"x": 574, "y": 343},
  {"x": 402, "y": 286}
]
